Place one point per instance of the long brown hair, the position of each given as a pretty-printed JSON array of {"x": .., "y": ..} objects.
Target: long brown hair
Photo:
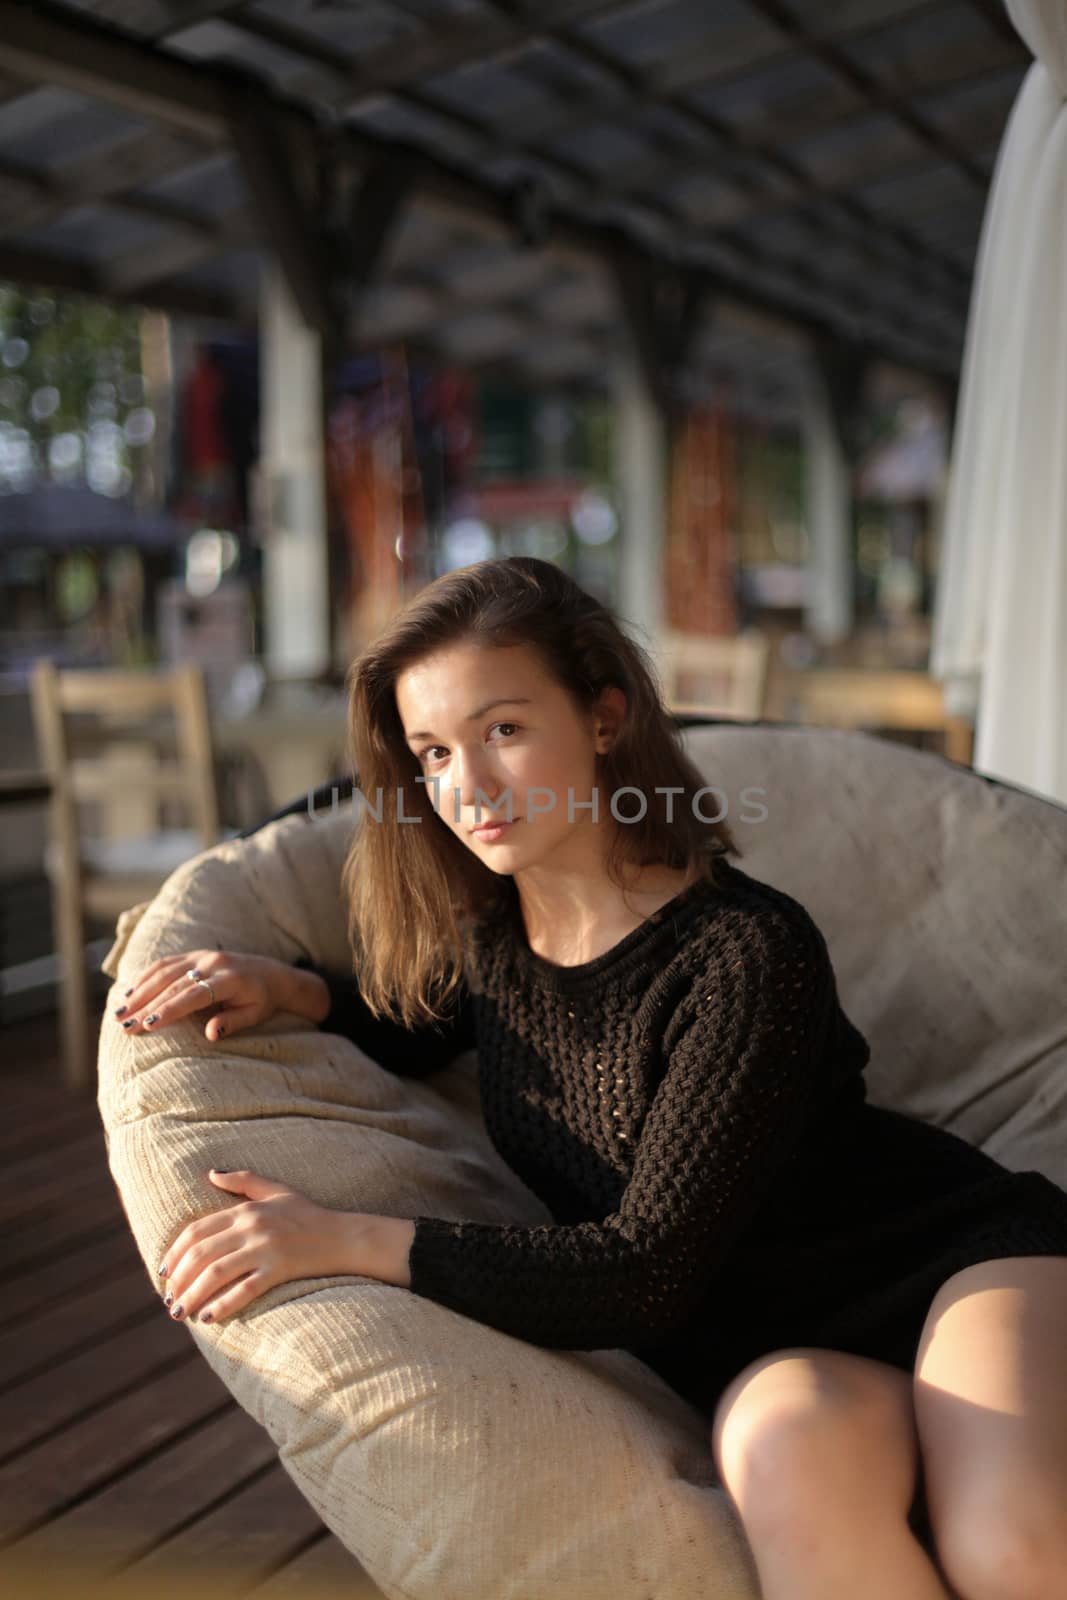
[{"x": 411, "y": 889}]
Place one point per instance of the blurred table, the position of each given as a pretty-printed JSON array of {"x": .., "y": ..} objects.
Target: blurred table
[
  {"x": 296, "y": 736},
  {"x": 873, "y": 698}
]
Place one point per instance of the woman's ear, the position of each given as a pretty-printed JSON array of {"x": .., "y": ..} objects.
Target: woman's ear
[{"x": 608, "y": 716}]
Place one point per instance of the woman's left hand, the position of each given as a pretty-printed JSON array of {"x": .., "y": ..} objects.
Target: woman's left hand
[{"x": 222, "y": 1262}]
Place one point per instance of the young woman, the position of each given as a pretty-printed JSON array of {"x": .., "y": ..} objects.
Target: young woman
[{"x": 871, "y": 1311}]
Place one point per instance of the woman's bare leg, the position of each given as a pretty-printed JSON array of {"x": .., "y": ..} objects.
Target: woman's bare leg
[
  {"x": 990, "y": 1402},
  {"x": 818, "y": 1450}
]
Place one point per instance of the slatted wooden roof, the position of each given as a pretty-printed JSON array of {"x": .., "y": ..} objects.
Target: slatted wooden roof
[{"x": 497, "y": 180}]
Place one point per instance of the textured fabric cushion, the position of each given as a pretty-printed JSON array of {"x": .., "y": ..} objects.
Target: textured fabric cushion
[
  {"x": 449, "y": 1457},
  {"x": 939, "y": 892}
]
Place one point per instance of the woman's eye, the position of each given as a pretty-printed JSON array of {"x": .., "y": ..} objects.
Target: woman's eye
[{"x": 427, "y": 754}]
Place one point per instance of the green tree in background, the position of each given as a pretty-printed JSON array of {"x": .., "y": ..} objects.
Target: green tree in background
[{"x": 72, "y": 393}]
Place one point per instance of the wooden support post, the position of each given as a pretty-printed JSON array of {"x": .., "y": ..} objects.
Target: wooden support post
[
  {"x": 296, "y": 582},
  {"x": 832, "y": 433}
]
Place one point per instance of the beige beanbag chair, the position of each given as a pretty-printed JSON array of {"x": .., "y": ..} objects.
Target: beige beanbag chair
[{"x": 452, "y": 1459}]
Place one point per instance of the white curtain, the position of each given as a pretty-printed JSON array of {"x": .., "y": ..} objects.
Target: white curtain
[{"x": 1000, "y": 617}]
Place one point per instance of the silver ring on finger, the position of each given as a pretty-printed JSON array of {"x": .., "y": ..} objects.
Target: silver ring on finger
[{"x": 194, "y": 974}]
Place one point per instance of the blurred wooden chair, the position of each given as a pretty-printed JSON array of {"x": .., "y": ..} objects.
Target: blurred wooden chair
[
  {"x": 123, "y": 750},
  {"x": 715, "y": 675},
  {"x": 874, "y": 698}
]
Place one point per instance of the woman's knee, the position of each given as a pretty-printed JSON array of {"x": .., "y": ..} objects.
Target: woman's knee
[
  {"x": 795, "y": 1423},
  {"x": 1015, "y": 1545}
]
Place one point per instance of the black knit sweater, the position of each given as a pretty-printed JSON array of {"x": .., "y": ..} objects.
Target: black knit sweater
[{"x": 659, "y": 1098}]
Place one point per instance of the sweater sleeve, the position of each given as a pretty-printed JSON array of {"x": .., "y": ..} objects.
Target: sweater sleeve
[
  {"x": 750, "y": 1064},
  {"x": 409, "y": 1052}
]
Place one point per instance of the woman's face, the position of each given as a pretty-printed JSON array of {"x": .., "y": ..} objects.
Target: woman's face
[{"x": 493, "y": 720}]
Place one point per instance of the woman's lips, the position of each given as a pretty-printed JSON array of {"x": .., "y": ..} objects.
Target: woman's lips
[{"x": 491, "y": 831}]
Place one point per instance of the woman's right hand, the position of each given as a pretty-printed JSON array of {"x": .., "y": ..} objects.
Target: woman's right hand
[{"x": 247, "y": 990}]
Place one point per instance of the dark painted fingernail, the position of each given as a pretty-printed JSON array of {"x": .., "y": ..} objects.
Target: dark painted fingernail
[
  {"x": 207, "y": 1316},
  {"x": 130, "y": 990},
  {"x": 161, "y": 1272},
  {"x": 177, "y": 1312},
  {"x": 129, "y": 1022},
  {"x": 148, "y": 1021},
  {"x": 168, "y": 1297},
  {"x": 120, "y": 1011}
]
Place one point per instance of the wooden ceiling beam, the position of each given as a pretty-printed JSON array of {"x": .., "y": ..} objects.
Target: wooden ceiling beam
[
  {"x": 104, "y": 177},
  {"x": 872, "y": 227},
  {"x": 444, "y": 44},
  {"x": 687, "y": 161},
  {"x": 75, "y": 276},
  {"x": 662, "y": 309},
  {"x": 90, "y": 58},
  {"x": 136, "y": 269},
  {"x": 842, "y": 66},
  {"x": 289, "y": 214}
]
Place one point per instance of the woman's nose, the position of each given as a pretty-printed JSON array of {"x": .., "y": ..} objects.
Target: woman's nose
[{"x": 476, "y": 782}]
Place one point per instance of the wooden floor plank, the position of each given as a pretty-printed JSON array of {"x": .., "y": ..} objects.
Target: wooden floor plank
[
  {"x": 324, "y": 1569},
  {"x": 53, "y": 1278},
  {"x": 23, "y": 1131},
  {"x": 53, "y": 1159},
  {"x": 244, "y": 1539},
  {"x": 67, "y": 1390},
  {"x": 90, "y": 1313},
  {"x": 128, "y": 1517},
  {"x": 126, "y": 1467},
  {"x": 58, "y": 1578},
  {"x": 43, "y": 1480},
  {"x": 65, "y": 1229},
  {"x": 53, "y": 1193}
]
